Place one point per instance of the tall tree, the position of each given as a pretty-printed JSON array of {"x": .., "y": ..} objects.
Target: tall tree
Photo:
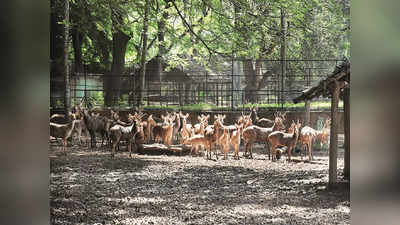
[{"x": 143, "y": 54}]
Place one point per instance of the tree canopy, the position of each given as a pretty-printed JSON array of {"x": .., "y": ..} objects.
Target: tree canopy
[{"x": 108, "y": 34}]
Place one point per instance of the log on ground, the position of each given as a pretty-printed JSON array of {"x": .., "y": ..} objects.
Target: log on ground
[{"x": 161, "y": 149}]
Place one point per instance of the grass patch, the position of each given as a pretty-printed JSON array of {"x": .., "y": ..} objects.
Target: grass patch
[
  {"x": 313, "y": 105},
  {"x": 207, "y": 106}
]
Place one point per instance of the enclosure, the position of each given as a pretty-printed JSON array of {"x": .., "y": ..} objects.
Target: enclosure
[
  {"x": 120, "y": 71},
  {"x": 228, "y": 84}
]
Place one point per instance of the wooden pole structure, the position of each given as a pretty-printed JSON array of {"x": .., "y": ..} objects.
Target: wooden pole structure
[
  {"x": 346, "y": 105},
  {"x": 334, "y": 134}
]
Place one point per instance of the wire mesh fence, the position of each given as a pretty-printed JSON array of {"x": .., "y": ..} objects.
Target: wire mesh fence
[{"x": 240, "y": 84}]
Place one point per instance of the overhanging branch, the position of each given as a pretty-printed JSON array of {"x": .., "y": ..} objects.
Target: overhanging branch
[{"x": 196, "y": 35}]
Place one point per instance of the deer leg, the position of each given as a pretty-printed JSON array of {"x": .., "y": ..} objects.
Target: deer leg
[
  {"x": 246, "y": 145},
  {"x": 274, "y": 153},
  {"x": 269, "y": 150},
  {"x": 289, "y": 153},
  {"x": 130, "y": 148},
  {"x": 65, "y": 146}
]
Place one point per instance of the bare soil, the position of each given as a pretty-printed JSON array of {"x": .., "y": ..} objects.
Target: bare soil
[{"x": 88, "y": 187}]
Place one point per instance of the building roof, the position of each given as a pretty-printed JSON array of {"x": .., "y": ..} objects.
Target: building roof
[{"x": 326, "y": 86}]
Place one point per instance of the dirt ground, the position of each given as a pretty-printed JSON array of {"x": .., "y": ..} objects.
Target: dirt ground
[{"x": 88, "y": 187}]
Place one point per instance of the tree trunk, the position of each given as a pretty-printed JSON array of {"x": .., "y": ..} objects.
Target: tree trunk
[
  {"x": 67, "y": 95},
  {"x": 77, "y": 39},
  {"x": 333, "y": 137},
  {"x": 346, "y": 133},
  {"x": 143, "y": 54},
  {"x": 251, "y": 82},
  {"x": 56, "y": 38},
  {"x": 113, "y": 80},
  {"x": 283, "y": 55}
]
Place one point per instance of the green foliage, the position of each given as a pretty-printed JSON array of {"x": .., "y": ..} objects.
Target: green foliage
[{"x": 242, "y": 28}]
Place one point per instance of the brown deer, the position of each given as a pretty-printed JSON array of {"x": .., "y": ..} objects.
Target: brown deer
[
  {"x": 308, "y": 135},
  {"x": 253, "y": 133},
  {"x": 63, "y": 131},
  {"x": 196, "y": 141},
  {"x": 186, "y": 131},
  {"x": 119, "y": 132},
  {"x": 150, "y": 124},
  {"x": 177, "y": 126},
  {"x": 223, "y": 141},
  {"x": 96, "y": 124},
  {"x": 203, "y": 123},
  {"x": 211, "y": 135},
  {"x": 163, "y": 132},
  {"x": 289, "y": 140}
]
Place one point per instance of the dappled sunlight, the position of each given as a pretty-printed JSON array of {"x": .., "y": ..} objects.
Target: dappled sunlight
[{"x": 90, "y": 187}]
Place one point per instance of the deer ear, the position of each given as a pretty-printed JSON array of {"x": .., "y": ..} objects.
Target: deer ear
[
  {"x": 224, "y": 116},
  {"x": 215, "y": 117},
  {"x": 187, "y": 115}
]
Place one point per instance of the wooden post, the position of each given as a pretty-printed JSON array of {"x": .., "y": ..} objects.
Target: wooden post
[
  {"x": 333, "y": 137},
  {"x": 307, "y": 114},
  {"x": 346, "y": 105}
]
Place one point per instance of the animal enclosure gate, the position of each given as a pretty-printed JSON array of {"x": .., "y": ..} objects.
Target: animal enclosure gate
[{"x": 232, "y": 85}]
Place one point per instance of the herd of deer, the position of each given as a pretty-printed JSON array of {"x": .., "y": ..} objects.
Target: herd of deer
[{"x": 141, "y": 128}]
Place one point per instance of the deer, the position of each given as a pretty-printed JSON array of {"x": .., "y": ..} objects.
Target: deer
[
  {"x": 132, "y": 133},
  {"x": 233, "y": 132},
  {"x": 263, "y": 122},
  {"x": 308, "y": 135},
  {"x": 163, "y": 132},
  {"x": 150, "y": 124},
  {"x": 203, "y": 123},
  {"x": 63, "y": 131},
  {"x": 119, "y": 132},
  {"x": 177, "y": 126},
  {"x": 196, "y": 141},
  {"x": 211, "y": 135},
  {"x": 280, "y": 138},
  {"x": 223, "y": 141},
  {"x": 96, "y": 124},
  {"x": 186, "y": 131},
  {"x": 255, "y": 133}
]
